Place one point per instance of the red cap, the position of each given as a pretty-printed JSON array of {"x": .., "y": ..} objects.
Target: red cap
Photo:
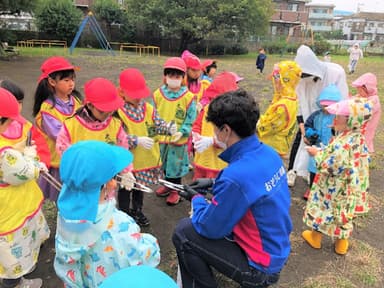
[
  {"x": 175, "y": 63},
  {"x": 237, "y": 77},
  {"x": 206, "y": 63},
  {"x": 224, "y": 82},
  {"x": 9, "y": 107},
  {"x": 102, "y": 93},
  {"x": 132, "y": 82},
  {"x": 193, "y": 62},
  {"x": 54, "y": 64}
]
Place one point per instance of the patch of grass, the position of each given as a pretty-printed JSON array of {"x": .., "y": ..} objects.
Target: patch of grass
[{"x": 328, "y": 281}]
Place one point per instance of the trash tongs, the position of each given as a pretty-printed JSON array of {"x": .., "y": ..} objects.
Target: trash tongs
[{"x": 173, "y": 186}]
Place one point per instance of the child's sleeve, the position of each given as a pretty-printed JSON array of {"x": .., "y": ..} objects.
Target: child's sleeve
[
  {"x": 186, "y": 127},
  {"x": 273, "y": 120},
  {"x": 196, "y": 127},
  {"x": 50, "y": 125},
  {"x": 41, "y": 146},
  {"x": 67, "y": 265},
  {"x": 63, "y": 140}
]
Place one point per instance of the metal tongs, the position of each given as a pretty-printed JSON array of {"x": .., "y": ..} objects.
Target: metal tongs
[
  {"x": 57, "y": 185},
  {"x": 173, "y": 186},
  {"x": 138, "y": 186}
]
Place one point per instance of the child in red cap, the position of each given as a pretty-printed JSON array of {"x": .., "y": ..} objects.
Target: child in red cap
[
  {"x": 55, "y": 100},
  {"x": 143, "y": 123},
  {"x": 207, "y": 164},
  {"x": 193, "y": 74},
  {"x": 96, "y": 120},
  {"x": 209, "y": 68},
  {"x": 174, "y": 102},
  {"x": 22, "y": 224}
]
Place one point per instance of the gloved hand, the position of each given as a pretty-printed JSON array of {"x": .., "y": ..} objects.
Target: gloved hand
[
  {"x": 30, "y": 152},
  {"x": 202, "y": 143},
  {"x": 202, "y": 183},
  {"x": 188, "y": 193},
  {"x": 172, "y": 128},
  {"x": 176, "y": 137},
  {"x": 145, "y": 142},
  {"x": 127, "y": 180},
  {"x": 43, "y": 168}
]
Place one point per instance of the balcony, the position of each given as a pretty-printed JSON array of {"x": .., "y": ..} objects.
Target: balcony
[
  {"x": 320, "y": 16},
  {"x": 321, "y": 28}
]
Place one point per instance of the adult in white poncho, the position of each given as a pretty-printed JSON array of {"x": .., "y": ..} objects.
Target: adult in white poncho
[{"x": 316, "y": 75}]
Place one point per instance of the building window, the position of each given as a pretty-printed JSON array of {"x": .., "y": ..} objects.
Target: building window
[{"x": 292, "y": 7}]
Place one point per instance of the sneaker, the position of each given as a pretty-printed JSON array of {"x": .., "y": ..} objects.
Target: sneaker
[
  {"x": 140, "y": 218},
  {"x": 162, "y": 191},
  {"x": 291, "y": 178},
  {"x": 30, "y": 283},
  {"x": 173, "y": 198}
]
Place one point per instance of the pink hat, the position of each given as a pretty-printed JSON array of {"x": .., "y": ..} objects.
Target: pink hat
[
  {"x": 102, "y": 93},
  {"x": 237, "y": 77},
  {"x": 368, "y": 80},
  {"x": 132, "y": 82},
  {"x": 191, "y": 60},
  {"x": 339, "y": 108},
  {"x": 9, "y": 107},
  {"x": 175, "y": 63},
  {"x": 206, "y": 63},
  {"x": 327, "y": 102},
  {"x": 54, "y": 64}
]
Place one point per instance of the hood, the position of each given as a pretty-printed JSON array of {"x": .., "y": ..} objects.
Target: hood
[
  {"x": 290, "y": 74},
  {"x": 309, "y": 62},
  {"x": 368, "y": 80},
  {"x": 329, "y": 94},
  {"x": 358, "y": 110}
]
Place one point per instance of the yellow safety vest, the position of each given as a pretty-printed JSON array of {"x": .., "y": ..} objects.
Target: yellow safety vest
[
  {"x": 143, "y": 159},
  {"x": 47, "y": 108},
  {"x": 173, "y": 110},
  {"x": 18, "y": 203},
  {"x": 208, "y": 159},
  {"x": 78, "y": 131}
]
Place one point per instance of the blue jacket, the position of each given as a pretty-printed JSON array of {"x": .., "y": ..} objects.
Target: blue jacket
[{"x": 251, "y": 204}]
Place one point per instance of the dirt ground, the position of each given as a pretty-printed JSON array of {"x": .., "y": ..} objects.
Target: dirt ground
[{"x": 306, "y": 267}]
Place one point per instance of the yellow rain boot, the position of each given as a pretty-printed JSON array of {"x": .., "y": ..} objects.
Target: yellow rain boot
[
  {"x": 341, "y": 246},
  {"x": 313, "y": 238}
]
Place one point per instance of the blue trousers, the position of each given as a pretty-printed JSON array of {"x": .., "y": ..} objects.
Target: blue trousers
[{"x": 197, "y": 255}]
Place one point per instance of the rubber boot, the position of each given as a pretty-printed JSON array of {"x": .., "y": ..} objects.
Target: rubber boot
[
  {"x": 313, "y": 238},
  {"x": 341, "y": 246}
]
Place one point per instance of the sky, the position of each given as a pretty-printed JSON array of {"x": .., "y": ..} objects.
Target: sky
[{"x": 351, "y": 5}]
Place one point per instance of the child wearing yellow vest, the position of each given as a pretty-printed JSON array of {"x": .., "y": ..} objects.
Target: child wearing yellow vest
[
  {"x": 207, "y": 164},
  {"x": 55, "y": 100},
  {"x": 144, "y": 124},
  {"x": 22, "y": 224},
  {"x": 174, "y": 102}
]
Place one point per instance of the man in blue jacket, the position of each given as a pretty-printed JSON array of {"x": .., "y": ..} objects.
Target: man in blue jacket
[{"x": 243, "y": 231}]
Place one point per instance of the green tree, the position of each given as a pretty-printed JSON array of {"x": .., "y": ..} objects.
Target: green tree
[
  {"x": 192, "y": 20},
  {"x": 58, "y": 18},
  {"x": 110, "y": 12},
  {"x": 16, "y": 6}
]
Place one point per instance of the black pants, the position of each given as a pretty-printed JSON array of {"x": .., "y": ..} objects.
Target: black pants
[
  {"x": 197, "y": 255},
  {"x": 124, "y": 200},
  {"x": 294, "y": 149},
  {"x": 10, "y": 283}
]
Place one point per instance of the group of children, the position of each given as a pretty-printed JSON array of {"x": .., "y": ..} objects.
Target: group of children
[
  {"x": 338, "y": 137},
  {"x": 67, "y": 143},
  {"x": 86, "y": 143}
]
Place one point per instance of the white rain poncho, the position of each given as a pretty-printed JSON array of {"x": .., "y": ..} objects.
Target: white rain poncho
[{"x": 307, "y": 92}]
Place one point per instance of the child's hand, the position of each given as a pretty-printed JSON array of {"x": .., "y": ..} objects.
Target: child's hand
[
  {"x": 145, "y": 142},
  {"x": 176, "y": 137},
  {"x": 172, "y": 128},
  {"x": 127, "y": 180},
  {"x": 312, "y": 150}
]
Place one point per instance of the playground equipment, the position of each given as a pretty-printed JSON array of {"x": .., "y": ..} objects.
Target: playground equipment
[
  {"x": 305, "y": 29},
  {"x": 95, "y": 27}
]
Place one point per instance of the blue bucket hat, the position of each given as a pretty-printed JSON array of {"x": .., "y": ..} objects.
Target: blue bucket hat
[
  {"x": 139, "y": 277},
  {"x": 84, "y": 168}
]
